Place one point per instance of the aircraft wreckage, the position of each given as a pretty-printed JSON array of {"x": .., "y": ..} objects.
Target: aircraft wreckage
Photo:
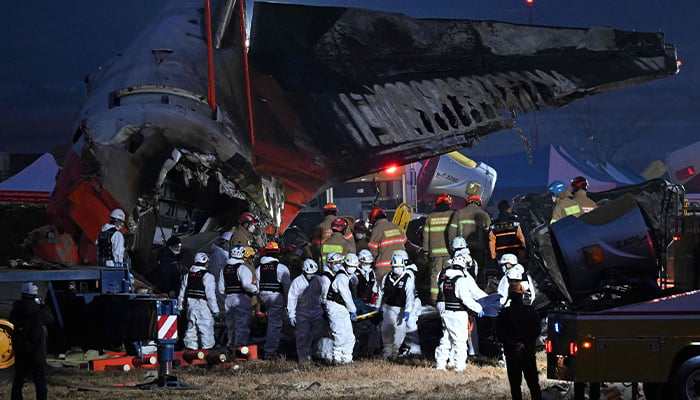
[{"x": 187, "y": 128}]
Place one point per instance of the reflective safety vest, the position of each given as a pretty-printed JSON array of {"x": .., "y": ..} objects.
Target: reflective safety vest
[
  {"x": 268, "y": 277},
  {"x": 506, "y": 233},
  {"x": 395, "y": 292},
  {"x": 334, "y": 295},
  {"x": 452, "y": 303},
  {"x": 434, "y": 233},
  {"x": 104, "y": 246},
  {"x": 231, "y": 280},
  {"x": 364, "y": 286},
  {"x": 195, "y": 285}
]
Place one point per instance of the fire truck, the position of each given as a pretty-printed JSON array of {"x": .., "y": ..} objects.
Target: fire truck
[{"x": 626, "y": 307}]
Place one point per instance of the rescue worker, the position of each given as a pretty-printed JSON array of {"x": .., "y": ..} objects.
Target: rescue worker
[
  {"x": 515, "y": 272},
  {"x": 29, "y": 316},
  {"x": 110, "y": 241},
  {"x": 456, "y": 295},
  {"x": 459, "y": 246},
  {"x": 170, "y": 268},
  {"x": 435, "y": 238},
  {"x": 518, "y": 327},
  {"x": 396, "y": 296},
  {"x": 273, "y": 282},
  {"x": 236, "y": 284},
  {"x": 411, "y": 344},
  {"x": 565, "y": 205},
  {"x": 198, "y": 294},
  {"x": 386, "y": 238},
  {"x": 367, "y": 331},
  {"x": 579, "y": 187},
  {"x": 323, "y": 231},
  {"x": 305, "y": 311},
  {"x": 340, "y": 308},
  {"x": 472, "y": 223},
  {"x": 218, "y": 257},
  {"x": 505, "y": 235},
  {"x": 361, "y": 234},
  {"x": 336, "y": 242},
  {"x": 367, "y": 286},
  {"x": 243, "y": 233},
  {"x": 351, "y": 263}
]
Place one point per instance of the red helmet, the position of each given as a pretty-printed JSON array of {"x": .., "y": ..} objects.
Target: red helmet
[
  {"x": 579, "y": 182},
  {"x": 271, "y": 248},
  {"x": 474, "y": 199},
  {"x": 339, "y": 225},
  {"x": 248, "y": 217},
  {"x": 443, "y": 198},
  {"x": 361, "y": 226},
  {"x": 330, "y": 207},
  {"x": 375, "y": 213}
]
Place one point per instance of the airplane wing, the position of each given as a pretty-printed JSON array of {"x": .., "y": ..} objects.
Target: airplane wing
[{"x": 345, "y": 92}]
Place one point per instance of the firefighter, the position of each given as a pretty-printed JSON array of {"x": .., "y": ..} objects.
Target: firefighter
[
  {"x": 361, "y": 233},
  {"x": 198, "y": 294},
  {"x": 518, "y": 327},
  {"x": 472, "y": 223},
  {"x": 305, "y": 311},
  {"x": 29, "y": 316},
  {"x": 110, "y": 242},
  {"x": 456, "y": 292},
  {"x": 396, "y": 296},
  {"x": 505, "y": 234},
  {"x": 324, "y": 230},
  {"x": 236, "y": 284},
  {"x": 565, "y": 205},
  {"x": 273, "y": 282},
  {"x": 435, "y": 238},
  {"x": 579, "y": 187},
  {"x": 243, "y": 233},
  {"x": 337, "y": 242},
  {"x": 340, "y": 308},
  {"x": 386, "y": 238}
]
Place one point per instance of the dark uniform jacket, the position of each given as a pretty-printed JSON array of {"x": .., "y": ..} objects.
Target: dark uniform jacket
[{"x": 29, "y": 335}]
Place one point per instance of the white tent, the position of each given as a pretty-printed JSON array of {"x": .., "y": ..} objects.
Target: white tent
[{"x": 33, "y": 184}]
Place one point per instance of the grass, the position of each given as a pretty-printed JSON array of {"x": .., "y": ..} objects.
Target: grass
[{"x": 283, "y": 379}]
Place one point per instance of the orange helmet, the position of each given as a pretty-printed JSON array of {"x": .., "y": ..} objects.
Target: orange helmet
[
  {"x": 376, "y": 212},
  {"x": 443, "y": 198},
  {"x": 474, "y": 199},
  {"x": 248, "y": 217},
  {"x": 271, "y": 248},
  {"x": 330, "y": 208},
  {"x": 339, "y": 225}
]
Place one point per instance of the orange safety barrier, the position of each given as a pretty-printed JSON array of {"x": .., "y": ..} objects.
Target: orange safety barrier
[{"x": 125, "y": 363}]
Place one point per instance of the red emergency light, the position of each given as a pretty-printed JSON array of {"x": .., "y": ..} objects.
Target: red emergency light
[
  {"x": 547, "y": 346},
  {"x": 573, "y": 348},
  {"x": 685, "y": 173},
  {"x": 391, "y": 169}
]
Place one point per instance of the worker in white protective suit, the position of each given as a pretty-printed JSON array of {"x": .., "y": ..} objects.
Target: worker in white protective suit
[
  {"x": 110, "y": 241},
  {"x": 198, "y": 294},
  {"x": 412, "y": 342},
  {"x": 455, "y": 291},
  {"x": 459, "y": 246},
  {"x": 273, "y": 282},
  {"x": 340, "y": 308},
  {"x": 236, "y": 284},
  {"x": 514, "y": 272},
  {"x": 305, "y": 311},
  {"x": 397, "y": 297}
]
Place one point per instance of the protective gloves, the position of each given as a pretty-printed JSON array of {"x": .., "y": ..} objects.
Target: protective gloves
[
  {"x": 353, "y": 316},
  {"x": 293, "y": 321},
  {"x": 406, "y": 314},
  {"x": 480, "y": 314}
]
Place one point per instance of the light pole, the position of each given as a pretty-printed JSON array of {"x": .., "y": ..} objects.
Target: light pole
[{"x": 529, "y": 11}]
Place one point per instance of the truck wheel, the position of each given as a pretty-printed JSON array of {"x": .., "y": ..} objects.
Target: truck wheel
[{"x": 686, "y": 380}]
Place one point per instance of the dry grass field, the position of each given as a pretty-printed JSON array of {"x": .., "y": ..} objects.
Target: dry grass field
[{"x": 266, "y": 380}]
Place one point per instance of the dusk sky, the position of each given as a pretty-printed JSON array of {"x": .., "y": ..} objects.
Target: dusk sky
[{"x": 50, "y": 46}]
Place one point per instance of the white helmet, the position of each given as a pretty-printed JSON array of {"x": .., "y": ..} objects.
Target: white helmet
[
  {"x": 460, "y": 261},
  {"x": 118, "y": 215},
  {"x": 201, "y": 258},
  {"x": 351, "y": 260},
  {"x": 508, "y": 258},
  {"x": 365, "y": 256},
  {"x": 399, "y": 258},
  {"x": 310, "y": 266},
  {"x": 30, "y": 288},
  {"x": 459, "y": 243},
  {"x": 333, "y": 257},
  {"x": 238, "y": 252},
  {"x": 515, "y": 272}
]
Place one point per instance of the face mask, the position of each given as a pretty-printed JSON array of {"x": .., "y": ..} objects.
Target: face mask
[
  {"x": 351, "y": 270},
  {"x": 175, "y": 250},
  {"x": 251, "y": 228},
  {"x": 359, "y": 236},
  {"x": 366, "y": 267},
  {"x": 337, "y": 267},
  {"x": 397, "y": 270},
  {"x": 309, "y": 277}
]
